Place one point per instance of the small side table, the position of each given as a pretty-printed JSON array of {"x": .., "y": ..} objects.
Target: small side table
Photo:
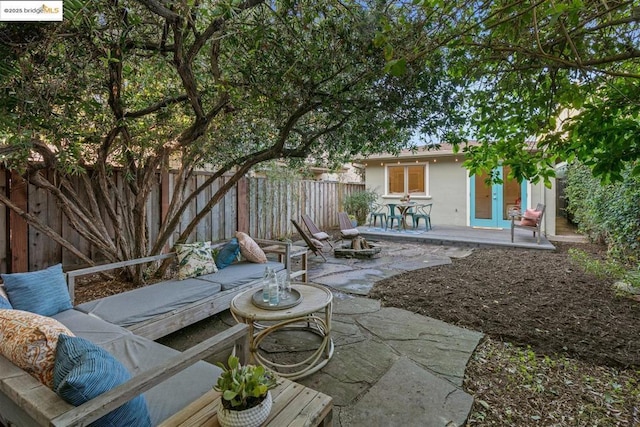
[
  {"x": 293, "y": 405},
  {"x": 294, "y": 252},
  {"x": 313, "y": 314}
]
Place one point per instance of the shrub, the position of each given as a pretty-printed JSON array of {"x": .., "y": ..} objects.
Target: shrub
[
  {"x": 359, "y": 203},
  {"x": 607, "y": 213}
]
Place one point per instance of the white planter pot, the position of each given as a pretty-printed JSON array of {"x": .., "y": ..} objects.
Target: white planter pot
[{"x": 252, "y": 417}]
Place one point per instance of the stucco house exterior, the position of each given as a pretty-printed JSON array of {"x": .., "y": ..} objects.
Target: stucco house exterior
[{"x": 438, "y": 177}]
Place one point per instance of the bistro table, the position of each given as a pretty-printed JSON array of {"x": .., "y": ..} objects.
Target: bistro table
[
  {"x": 403, "y": 207},
  {"x": 312, "y": 314}
]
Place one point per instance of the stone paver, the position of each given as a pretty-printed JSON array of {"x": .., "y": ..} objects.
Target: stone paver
[
  {"x": 390, "y": 367},
  {"x": 407, "y": 396},
  {"x": 443, "y": 348},
  {"x": 358, "y": 281}
]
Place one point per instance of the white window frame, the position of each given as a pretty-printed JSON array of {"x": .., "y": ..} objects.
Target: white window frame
[{"x": 406, "y": 180}]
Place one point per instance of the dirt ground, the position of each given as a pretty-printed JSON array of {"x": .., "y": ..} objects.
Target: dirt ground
[
  {"x": 532, "y": 298},
  {"x": 561, "y": 348}
]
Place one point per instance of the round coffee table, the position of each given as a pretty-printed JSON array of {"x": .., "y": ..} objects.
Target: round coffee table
[{"x": 313, "y": 314}]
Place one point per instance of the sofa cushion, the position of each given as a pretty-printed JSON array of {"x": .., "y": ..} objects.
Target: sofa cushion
[
  {"x": 530, "y": 217},
  {"x": 350, "y": 232},
  {"x": 139, "y": 354},
  {"x": 250, "y": 249},
  {"x": 240, "y": 273},
  {"x": 195, "y": 259},
  {"x": 29, "y": 341},
  {"x": 5, "y": 304},
  {"x": 43, "y": 292},
  {"x": 321, "y": 236},
  {"x": 228, "y": 254},
  {"x": 90, "y": 327},
  {"x": 138, "y": 305},
  {"x": 84, "y": 371}
]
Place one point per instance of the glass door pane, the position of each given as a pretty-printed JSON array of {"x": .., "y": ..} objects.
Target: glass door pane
[
  {"x": 483, "y": 199},
  {"x": 511, "y": 194}
]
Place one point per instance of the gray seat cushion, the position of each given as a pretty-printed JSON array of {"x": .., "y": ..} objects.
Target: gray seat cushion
[
  {"x": 135, "y": 306},
  {"x": 90, "y": 327},
  {"x": 138, "y": 354},
  {"x": 240, "y": 273}
]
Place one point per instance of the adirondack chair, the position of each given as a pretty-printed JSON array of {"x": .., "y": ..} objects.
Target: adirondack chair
[
  {"x": 312, "y": 246},
  {"x": 530, "y": 220},
  {"x": 315, "y": 231}
]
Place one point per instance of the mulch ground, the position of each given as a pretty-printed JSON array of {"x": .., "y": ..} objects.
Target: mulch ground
[
  {"x": 561, "y": 347},
  {"x": 526, "y": 297}
]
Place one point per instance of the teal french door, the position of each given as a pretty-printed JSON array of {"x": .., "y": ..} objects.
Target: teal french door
[{"x": 490, "y": 204}]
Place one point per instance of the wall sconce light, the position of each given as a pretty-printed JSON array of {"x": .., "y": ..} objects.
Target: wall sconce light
[
  {"x": 381, "y": 164},
  {"x": 435, "y": 160}
]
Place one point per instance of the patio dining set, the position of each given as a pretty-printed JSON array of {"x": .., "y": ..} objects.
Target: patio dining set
[{"x": 400, "y": 213}]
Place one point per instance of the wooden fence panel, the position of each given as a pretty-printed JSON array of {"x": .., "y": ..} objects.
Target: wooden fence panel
[
  {"x": 4, "y": 222},
  {"x": 266, "y": 206}
]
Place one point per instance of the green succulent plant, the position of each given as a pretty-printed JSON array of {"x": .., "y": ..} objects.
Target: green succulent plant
[{"x": 243, "y": 387}]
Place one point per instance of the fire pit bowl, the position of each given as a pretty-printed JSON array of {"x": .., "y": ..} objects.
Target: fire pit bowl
[{"x": 347, "y": 252}]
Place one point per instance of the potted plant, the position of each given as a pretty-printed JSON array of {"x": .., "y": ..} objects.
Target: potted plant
[
  {"x": 359, "y": 203},
  {"x": 245, "y": 400}
]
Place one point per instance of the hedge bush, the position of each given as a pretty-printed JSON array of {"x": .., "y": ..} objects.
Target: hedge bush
[{"x": 607, "y": 213}]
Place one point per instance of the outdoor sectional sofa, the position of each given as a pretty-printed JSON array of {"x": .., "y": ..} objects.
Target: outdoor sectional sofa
[{"x": 125, "y": 325}]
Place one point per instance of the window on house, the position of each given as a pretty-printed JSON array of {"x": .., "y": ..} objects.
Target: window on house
[{"x": 407, "y": 179}]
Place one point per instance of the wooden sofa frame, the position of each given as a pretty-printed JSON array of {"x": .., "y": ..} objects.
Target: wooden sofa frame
[
  {"x": 48, "y": 409},
  {"x": 166, "y": 323}
]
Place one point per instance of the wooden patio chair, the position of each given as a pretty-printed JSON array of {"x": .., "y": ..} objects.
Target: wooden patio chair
[
  {"x": 530, "y": 220},
  {"x": 347, "y": 230},
  {"x": 317, "y": 250},
  {"x": 315, "y": 231}
]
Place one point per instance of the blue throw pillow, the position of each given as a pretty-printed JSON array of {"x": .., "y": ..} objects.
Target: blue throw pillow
[
  {"x": 228, "y": 254},
  {"x": 83, "y": 371},
  {"x": 42, "y": 292},
  {"x": 4, "y": 303}
]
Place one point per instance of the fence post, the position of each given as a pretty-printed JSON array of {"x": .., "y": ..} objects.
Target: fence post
[
  {"x": 243, "y": 204},
  {"x": 19, "y": 229}
]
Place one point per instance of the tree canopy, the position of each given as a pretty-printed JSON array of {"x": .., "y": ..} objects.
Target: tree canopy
[
  {"x": 146, "y": 85},
  {"x": 149, "y": 85},
  {"x": 533, "y": 64}
]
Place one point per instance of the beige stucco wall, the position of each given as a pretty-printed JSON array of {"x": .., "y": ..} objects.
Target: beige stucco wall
[{"x": 448, "y": 189}]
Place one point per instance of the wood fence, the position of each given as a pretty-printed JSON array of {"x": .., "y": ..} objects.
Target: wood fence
[{"x": 261, "y": 207}]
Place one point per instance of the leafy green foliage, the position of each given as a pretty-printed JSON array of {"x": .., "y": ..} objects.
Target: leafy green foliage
[
  {"x": 359, "y": 203},
  {"x": 222, "y": 85},
  {"x": 607, "y": 212},
  {"x": 521, "y": 66},
  {"x": 243, "y": 387}
]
